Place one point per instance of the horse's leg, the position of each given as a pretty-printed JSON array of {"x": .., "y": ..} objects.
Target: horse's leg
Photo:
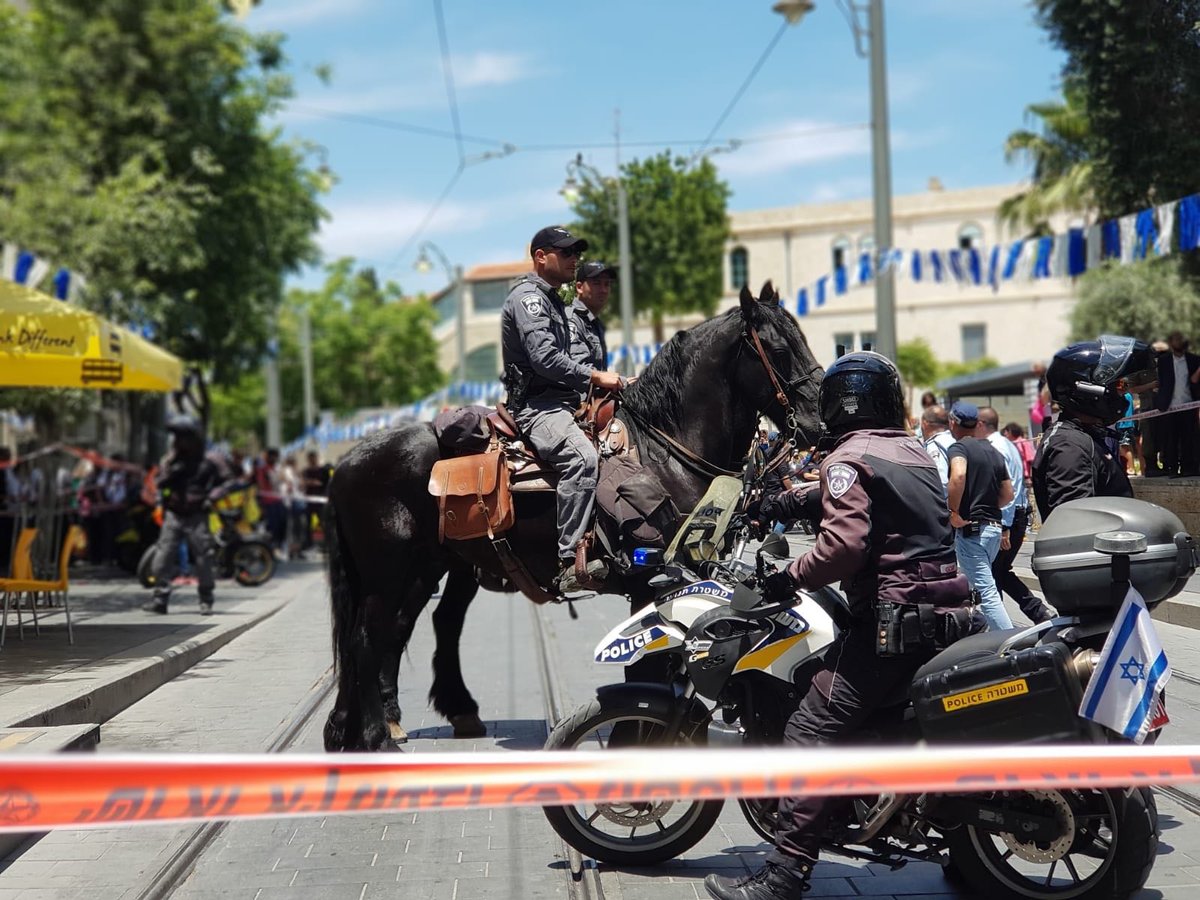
[
  {"x": 449, "y": 693},
  {"x": 389, "y": 675}
]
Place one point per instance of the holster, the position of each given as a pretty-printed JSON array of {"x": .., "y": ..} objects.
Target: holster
[
  {"x": 516, "y": 383},
  {"x": 908, "y": 628}
]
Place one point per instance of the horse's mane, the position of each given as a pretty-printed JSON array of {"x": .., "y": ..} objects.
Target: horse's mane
[{"x": 657, "y": 396}]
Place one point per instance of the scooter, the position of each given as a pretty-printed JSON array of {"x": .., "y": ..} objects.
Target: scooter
[{"x": 246, "y": 558}]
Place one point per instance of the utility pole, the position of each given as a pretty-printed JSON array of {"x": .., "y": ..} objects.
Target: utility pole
[
  {"x": 307, "y": 363},
  {"x": 881, "y": 159},
  {"x": 271, "y": 375},
  {"x": 625, "y": 265}
]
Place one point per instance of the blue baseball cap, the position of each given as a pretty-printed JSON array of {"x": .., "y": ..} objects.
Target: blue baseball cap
[{"x": 964, "y": 414}]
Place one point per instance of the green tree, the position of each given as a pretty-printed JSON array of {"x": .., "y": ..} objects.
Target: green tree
[
  {"x": 917, "y": 364},
  {"x": 133, "y": 149},
  {"x": 956, "y": 369},
  {"x": 370, "y": 347},
  {"x": 678, "y": 227},
  {"x": 1146, "y": 300},
  {"x": 1138, "y": 67},
  {"x": 1062, "y": 169}
]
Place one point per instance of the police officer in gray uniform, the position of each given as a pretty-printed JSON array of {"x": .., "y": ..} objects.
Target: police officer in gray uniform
[
  {"x": 593, "y": 281},
  {"x": 545, "y": 382}
]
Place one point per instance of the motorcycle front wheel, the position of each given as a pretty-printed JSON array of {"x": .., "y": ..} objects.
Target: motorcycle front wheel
[
  {"x": 1106, "y": 847},
  {"x": 609, "y": 832},
  {"x": 253, "y": 564}
]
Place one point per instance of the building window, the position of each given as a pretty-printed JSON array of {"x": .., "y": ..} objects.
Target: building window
[
  {"x": 843, "y": 339},
  {"x": 483, "y": 363},
  {"x": 970, "y": 235},
  {"x": 974, "y": 342},
  {"x": 489, "y": 295},
  {"x": 866, "y": 340},
  {"x": 739, "y": 268},
  {"x": 841, "y": 249}
]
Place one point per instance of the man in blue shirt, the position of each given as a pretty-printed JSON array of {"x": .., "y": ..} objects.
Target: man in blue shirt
[{"x": 1014, "y": 519}]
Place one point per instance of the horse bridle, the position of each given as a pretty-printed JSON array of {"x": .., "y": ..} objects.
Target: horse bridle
[{"x": 792, "y": 417}]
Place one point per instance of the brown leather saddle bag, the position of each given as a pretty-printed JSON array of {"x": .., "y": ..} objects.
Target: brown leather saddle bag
[{"x": 473, "y": 496}]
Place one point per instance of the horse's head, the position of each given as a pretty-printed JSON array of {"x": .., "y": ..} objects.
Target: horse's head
[{"x": 775, "y": 369}]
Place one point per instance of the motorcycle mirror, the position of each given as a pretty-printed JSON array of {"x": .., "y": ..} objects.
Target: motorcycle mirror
[{"x": 775, "y": 546}]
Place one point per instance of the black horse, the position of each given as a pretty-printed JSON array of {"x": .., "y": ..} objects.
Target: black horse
[{"x": 703, "y": 392}]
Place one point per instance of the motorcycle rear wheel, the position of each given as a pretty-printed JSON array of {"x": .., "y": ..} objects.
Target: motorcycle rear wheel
[
  {"x": 1108, "y": 845},
  {"x": 253, "y": 564},
  {"x": 598, "y": 830}
]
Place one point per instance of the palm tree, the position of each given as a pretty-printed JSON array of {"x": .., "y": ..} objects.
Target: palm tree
[{"x": 1062, "y": 167}]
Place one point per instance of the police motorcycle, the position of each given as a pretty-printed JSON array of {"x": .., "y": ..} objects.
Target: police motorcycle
[{"x": 738, "y": 669}]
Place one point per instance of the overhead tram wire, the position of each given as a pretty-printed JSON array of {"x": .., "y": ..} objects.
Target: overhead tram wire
[
  {"x": 737, "y": 96},
  {"x": 448, "y": 75},
  {"x": 392, "y": 124}
]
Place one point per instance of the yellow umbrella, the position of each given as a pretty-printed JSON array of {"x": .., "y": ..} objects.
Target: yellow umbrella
[{"x": 47, "y": 343}]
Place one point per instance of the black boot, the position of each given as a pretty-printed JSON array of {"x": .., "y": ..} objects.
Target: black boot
[
  {"x": 155, "y": 606},
  {"x": 771, "y": 882}
]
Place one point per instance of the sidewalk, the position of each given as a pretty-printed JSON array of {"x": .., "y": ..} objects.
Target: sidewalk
[{"x": 121, "y": 653}]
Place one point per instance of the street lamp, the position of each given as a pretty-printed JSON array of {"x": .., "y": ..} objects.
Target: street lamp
[
  {"x": 870, "y": 30},
  {"x": 571, "y": 192},
  {"x": 424, "y": 265}
]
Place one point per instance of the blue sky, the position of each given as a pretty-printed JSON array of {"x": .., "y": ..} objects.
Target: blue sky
[{"x": 961, "y": 73}]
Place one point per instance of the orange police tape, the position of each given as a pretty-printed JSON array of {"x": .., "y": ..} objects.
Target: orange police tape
[{"x": 70, "y": 791}]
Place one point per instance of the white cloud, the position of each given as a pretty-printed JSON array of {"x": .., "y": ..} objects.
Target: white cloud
[
  {"x": 487, "y": 69},
  {"x": 814, "y": 142},
  {"x": 277, "y": 15},
  {"x": 376, "y": 227}
]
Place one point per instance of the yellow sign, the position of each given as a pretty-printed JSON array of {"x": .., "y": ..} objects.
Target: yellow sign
[
  {"x": 989, "y": 694},
  {"x": 47, "y": 343}
]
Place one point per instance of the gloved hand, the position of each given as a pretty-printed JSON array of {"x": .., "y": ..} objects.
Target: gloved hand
[{"x": 780, "y": 587}]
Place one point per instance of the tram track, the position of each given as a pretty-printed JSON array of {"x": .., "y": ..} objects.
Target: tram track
[
  {"x": 175, "y": 871},
  {"x": 583, "y": 877}
]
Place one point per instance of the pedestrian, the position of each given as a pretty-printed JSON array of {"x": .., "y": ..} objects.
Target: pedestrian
[
  {"x": 294, "y": 505},
  {"x": 1014, "y": 522},
  {"x": 315, "y": 479},
  {"x": 937, "y": 439},
  {"x": 1088, "y": 382},
  {"x": 1178, "y": 374},
  {"x": 979, "y": 486},
  {"x": 189, "y": 483},
  {"x": 1152, "y": 427},
  {"x": 885, "y": 534},
  {"x": 544, "y": 385},
  {"x": 269, "y": 488},
  {"x": 928, "y": 399},
  {"x": 1129, "y": 439}
]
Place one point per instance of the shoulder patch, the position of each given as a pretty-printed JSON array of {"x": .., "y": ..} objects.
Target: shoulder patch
[
  {"x": 532, "y": 304},
  {"x": 840, "y": 478}
]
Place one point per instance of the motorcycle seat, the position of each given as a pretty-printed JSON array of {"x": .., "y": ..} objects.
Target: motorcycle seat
[{"x": 967, "y": 650}]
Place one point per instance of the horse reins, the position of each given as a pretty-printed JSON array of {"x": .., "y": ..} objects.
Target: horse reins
[
  {"x": 793, "y": 423},
  {"x": 685, "y": 455}
]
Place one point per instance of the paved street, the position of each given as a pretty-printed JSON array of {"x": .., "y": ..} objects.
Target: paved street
[{"x": 238, "y": 700}]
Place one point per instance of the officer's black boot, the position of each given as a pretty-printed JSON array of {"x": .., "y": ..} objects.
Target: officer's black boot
[
  {"x": 157, "y": 605},
  {"x": 771, "y": 882}
]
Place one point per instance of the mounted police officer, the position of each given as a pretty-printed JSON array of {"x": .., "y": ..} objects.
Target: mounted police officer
[
  {"x": 1088, "y": 381},
  {"x": 188, "y": 484},
  {"x": 593, "y": 282},
  {"x": 885, "y": 534},
  {"x": 544, "y": 386}
]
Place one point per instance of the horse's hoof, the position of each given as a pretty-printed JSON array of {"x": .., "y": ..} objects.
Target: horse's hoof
[
  {"x": 399, "y": 735},
  {"x": 468, "y": 725}
]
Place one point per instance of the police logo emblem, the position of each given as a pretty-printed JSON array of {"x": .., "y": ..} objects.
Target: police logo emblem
[
  {"x": 533, "y": 304},
  {"x": 840, "y": 477}
]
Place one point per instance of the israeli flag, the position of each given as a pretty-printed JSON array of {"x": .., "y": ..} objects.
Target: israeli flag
[{"x": 1131, "y": 672}]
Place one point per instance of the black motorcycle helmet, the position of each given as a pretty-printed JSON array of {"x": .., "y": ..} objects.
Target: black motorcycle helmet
[
  {"x": 1090, "y": 378},
  {"x": 861, "y": 390},
  {"x": 188, "y": 432}
]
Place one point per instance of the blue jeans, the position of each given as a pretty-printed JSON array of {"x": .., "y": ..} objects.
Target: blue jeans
[{"x": 975, "y": 557}]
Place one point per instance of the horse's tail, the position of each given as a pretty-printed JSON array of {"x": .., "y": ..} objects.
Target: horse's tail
[{"x": 342, "y": 584}]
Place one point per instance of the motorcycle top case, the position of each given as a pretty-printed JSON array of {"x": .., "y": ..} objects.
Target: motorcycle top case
[
  {"x": 1077, "y": 578},
  {"x": 1026, "y": 696}
]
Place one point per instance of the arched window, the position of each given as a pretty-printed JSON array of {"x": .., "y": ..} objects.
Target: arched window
[
  {"x": 970, "y": 235},
  {"x": 841, "y": 250},
  {"x": 739, "y": 268}
]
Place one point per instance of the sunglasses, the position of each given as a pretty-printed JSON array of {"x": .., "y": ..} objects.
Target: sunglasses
[{"x": 569, "y": 252}]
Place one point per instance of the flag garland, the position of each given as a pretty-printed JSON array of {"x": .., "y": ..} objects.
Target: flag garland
[{"x": 1156, "y": 231}]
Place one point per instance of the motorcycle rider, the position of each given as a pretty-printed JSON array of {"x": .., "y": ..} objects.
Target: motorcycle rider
[
  {"x": 544, "y": 386},
  {"x": 1088, "y": 381},
  {"x": 189, "y": 481},
  {"x": 885, "y": 534}
]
